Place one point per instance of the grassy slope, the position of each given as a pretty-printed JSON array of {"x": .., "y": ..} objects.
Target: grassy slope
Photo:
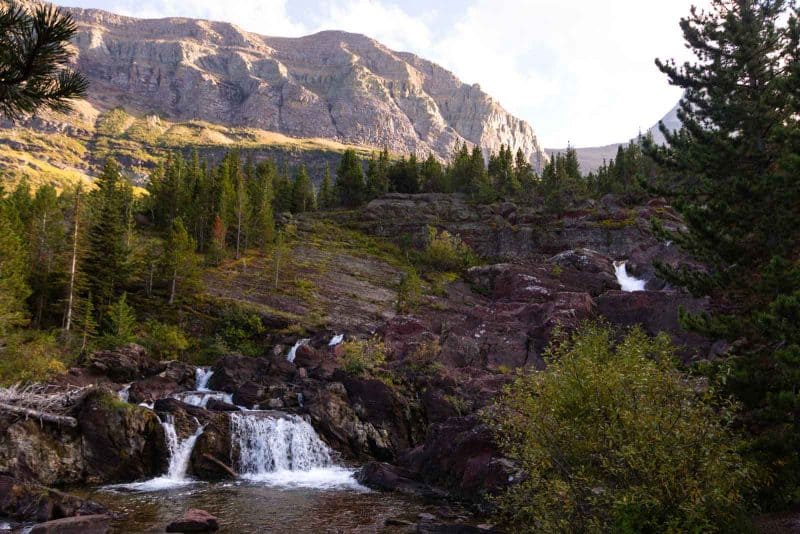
[{"x": 62, "y": 149}]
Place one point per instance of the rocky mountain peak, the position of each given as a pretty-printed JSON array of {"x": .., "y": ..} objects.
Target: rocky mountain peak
[{"x": 332, "y": 84}]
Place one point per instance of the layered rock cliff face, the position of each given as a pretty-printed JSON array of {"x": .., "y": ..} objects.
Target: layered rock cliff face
[{"x": 333, "y": 85}]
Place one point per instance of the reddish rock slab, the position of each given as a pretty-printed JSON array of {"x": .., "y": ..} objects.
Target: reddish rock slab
[
  {"x": 82, "y": 524},
  {"x": 194, "y": 520}
]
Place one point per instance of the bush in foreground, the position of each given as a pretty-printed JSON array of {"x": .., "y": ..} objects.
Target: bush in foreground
[{"x": 613, "y": 438}]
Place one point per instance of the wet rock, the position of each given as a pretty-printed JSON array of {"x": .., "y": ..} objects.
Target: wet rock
[
  {"x": 250, "y": 394},
  {"x": 388, "y": 477},
  {"x": 125, "y": 364},
  {"x": 31, "y": 502},
  {"x": 232, "y": 372},
  {"x": 153, "y": 388},
  {"x": 121, "y": 441},
  {"x": 194, "y": 520},
  {"x": 86, "y": 524},
  {"x": 215, "y": 405}
]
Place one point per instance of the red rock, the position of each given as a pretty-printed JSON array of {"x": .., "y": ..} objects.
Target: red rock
[
  {"x": 82, "y": 524},
  {"x": 194, "y": 520}
]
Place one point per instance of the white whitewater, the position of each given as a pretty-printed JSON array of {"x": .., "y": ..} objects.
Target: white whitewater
[
  {"x": 293, "y": 350},
  {"x": 124, "y": 393},
  {"x": 180, "y": 453},
  {"x": 201, "y": 377},
  {"x": 336, "y": 340},
  {"x": 283, "y": 450},
  {"x": 627, "y": 282},
  {"x": 201, "y": 398}
]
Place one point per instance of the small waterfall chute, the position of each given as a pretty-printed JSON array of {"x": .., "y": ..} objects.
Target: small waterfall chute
[
  {"x": 293, "y": 351},
  {"x": 124, "y": 393},
  {"x": 336, "y": 340},
  {"x": 627, "y": 282},
  {"x": 284, "y": 450},
  {"x": 201, "y": 398},
  {"x": 201, "y": 377},
  {"x": 180, "y": 453}
]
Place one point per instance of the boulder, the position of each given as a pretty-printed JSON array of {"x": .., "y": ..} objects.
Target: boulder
[
  {"x": 194, "y": 520},
  {"x": 385, "y": 408},
  {"x": 250, "y": 394},
  {"x": 231, "y": 372},
  {"x": 153, "y": 388},
  {"x": 85, "y": 524},
  {"x": 45, "y": 454},
  {"x": 31, "y": 502},
  {"x": 221, "y": 406},
  {"x": 340, "y": 426},
  {"x": 125, "y": 364},
  {"x": 387, "y": 477},
  {"x": 460, "y": 456},
  {"x": 121, "y": 441}
]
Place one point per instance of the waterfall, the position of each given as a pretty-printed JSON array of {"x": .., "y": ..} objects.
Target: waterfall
[
  {"x": 627, "y": 282},
  {"x": 293, "y": 350},
  {"x": 179, "y": 451},
  {"x": 284, "y": 450},
  {"x": 201, "y": 377},
  {"x": 201, "y": 398},
  {"x": 124, "y": 393},
  {"x": 335, "y": 340}
]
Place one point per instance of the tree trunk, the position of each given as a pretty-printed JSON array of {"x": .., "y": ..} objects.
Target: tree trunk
[
  {"x": 238, "y": 231},
  {"x": 72, "y": 268},
  {"x": 42, "y": 416},
  {"x": 174, "y": 282}
]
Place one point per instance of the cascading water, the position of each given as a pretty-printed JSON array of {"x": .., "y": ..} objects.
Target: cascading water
[
  {"x": 336, "y": 340},
  {"x": 180, "y": 453},
  {"x": 124, "y": 393},
  {"x": 293, "y": 350},
  {"x": 284, "y": 450},
  {"x": 201, "y": 377},
  {"x": 627, "y": 283},
  {"x": 201, "y": 398}
]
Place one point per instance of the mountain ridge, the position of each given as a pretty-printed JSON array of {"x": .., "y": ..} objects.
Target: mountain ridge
[{"x": 337, "y": 85}]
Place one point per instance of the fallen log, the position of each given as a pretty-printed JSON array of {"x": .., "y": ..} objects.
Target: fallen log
[{"x": 42, "y": 416}]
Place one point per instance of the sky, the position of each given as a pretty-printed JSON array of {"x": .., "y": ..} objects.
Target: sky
[{"x": 579, "y": 71}]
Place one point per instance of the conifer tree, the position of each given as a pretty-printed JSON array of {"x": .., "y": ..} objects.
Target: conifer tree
[
  {"x": 325, "y": 198},
  {"x": 432, "y": 176},
  {"x": 734, "y": 173},
  {"x": 13, "y": 272},
  {"x": 107, "y": 266},
  {"x": 120, "y": 323},
  {"x": 46, "y": 241},
  {"x": 282, "y": 188},
  {"x": 303, "y": 197},
  {"x": 377, "y": 177},
  {"x": 262, "y": 220},
  {"x": 34, "y": 51},
  {"x": 350, "y": 186},
  {"x": 180, "y": 264}
]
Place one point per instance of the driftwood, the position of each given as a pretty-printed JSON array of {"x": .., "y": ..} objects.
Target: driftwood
[{"x": 42, "y": 416}]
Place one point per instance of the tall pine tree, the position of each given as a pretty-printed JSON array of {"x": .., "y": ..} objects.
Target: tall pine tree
[{"x": 734, "y": 170}]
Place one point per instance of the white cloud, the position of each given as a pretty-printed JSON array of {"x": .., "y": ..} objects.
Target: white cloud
[{"x": 579, "y": 71}]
